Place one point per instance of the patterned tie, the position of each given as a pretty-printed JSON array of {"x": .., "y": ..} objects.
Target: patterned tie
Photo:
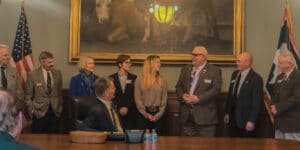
[
  {"x": 3, "y": 77},
  {"x": 193, "y": 76},
  {"x": 49, "y": 82}
]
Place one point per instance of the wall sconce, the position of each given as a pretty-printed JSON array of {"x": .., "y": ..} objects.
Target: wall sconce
[{"x": 163, "y": 14}]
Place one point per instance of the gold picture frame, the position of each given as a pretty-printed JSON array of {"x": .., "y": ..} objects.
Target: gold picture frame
[{"x": 102, "y": 54}]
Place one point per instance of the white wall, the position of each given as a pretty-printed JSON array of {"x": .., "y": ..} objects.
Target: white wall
[{"x": 49, "y": 30}]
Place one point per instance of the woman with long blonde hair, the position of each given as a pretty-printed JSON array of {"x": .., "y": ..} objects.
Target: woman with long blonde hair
[{"x": 150, "y": 94}]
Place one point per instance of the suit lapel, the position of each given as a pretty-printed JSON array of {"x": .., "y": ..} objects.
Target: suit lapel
[
  {"x": 247, "y": 80},
  {"x": 10, "y": 78},
  {"x": 201, "y": 76},
  {"x": 41, "y": 78},
  {"x": 107, "y": 113},
  {"x": 54, "y": 77},
  {"x": 118, "y": 84}
]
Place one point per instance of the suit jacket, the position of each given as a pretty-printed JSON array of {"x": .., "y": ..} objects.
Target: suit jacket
[
  {"x": 13, "y": 82},
  {"x": 286, "y": 98},
  {"x": 36, "y": 93},
  {"x": 249, "y": 101},
  {"x": 98, "y": 118},
  {"x": 78, "y": 86},
  {"x": 125, "y": 99},
  {"x": 207, "y": 89},
  {"x": 7, "y": 142}
]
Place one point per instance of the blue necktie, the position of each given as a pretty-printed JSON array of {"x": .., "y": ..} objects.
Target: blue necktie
[{"x": 3, "y": 77}]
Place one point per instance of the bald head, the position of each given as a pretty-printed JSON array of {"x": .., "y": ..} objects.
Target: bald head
[{"x": 244, "y": 61}]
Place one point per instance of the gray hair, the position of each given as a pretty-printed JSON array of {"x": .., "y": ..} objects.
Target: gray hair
[
  {"x": 4, "y": 46},
  {"x": 101, "y": 84},
  {"x": 8, "y": 111},
  {"x": 82, "y": 62},
  {"x": 289, "y": 57},
  {"x": 45, "y": 55}
]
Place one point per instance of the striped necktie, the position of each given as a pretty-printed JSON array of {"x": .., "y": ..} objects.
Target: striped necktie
[{"x": 3, "y": 77}]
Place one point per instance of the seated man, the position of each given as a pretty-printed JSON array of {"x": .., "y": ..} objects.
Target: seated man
[
  {"x": 102, "y": 116},
  {"x": 10, "y": 123}
]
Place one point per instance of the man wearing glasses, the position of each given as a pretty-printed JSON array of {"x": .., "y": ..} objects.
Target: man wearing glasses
[{"x": 198, "y": 86}]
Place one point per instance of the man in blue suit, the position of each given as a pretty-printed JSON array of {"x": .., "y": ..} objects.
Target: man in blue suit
[
  {"x": 102, "y": 116},
  {"x": 245, "y": 98}
]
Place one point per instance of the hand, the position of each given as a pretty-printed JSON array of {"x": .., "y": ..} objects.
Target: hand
[
  {"x": 192, "y": 99},
  {"x": 123, "y": 111},
  {"x": 226, "y": 118},
  {"x": 249, "y": 126},
  {"x": 273, "y": 109},
  {"x": 16, "y": 132},
  {"x": 185, "y": 97},
  {"x": 152, "y": 118}
]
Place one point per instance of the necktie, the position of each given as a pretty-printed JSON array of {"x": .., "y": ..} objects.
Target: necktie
[
  {"x": 115, "y": 119},
  {"x": 193, "y": 76},
  {"x": 236, "y": 85},
  {"x": 3, "y": 77},
  {"x": 49, "y": 82},
  {"x": 113, "y": 116}
]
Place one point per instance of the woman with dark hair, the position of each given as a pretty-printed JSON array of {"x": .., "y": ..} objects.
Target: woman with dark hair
[
  {"x": 150, "y": 94},
  {"x": 124, "y": 94},
  {"x": 82, "y": 83}
]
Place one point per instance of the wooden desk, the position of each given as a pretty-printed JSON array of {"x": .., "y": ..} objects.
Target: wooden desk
[{"x": 62, "y": 142}]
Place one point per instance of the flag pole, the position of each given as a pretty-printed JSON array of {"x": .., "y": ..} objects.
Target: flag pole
[{"x": 22, "y": 3}]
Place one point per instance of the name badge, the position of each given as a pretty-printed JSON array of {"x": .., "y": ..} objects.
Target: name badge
[
  {"x": 128, "y": 81},
  {"x": 279, "y": 81},
  {"x": 207, "y": 81},
  {"x": 39, "y": 84}
]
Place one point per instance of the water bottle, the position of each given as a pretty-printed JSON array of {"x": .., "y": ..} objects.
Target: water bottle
[
  {"x": 147, "y": 136},
  {"x": 153, "y": 136}
]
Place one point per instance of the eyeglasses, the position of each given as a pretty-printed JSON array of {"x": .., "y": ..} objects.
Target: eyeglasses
[{"x": 195, "y": 55}]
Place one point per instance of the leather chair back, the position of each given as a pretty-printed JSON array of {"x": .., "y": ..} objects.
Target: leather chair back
[{"x": 80, "y": 107}]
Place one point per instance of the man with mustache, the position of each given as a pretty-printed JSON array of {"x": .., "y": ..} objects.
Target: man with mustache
[{"x": 43, "y": 95}]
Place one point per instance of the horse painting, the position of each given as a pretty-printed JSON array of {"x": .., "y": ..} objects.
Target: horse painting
[{"x": 126, "y": 20}]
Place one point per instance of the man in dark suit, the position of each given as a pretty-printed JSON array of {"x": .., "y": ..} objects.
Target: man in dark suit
[
  {"x": 286, "y": 99},
  {"x": 102, "y": 116},
  {"x": 245, "y": 98},
  {"x": 198, "y": 86},
  {"x": 124, "y": 94},
  {"x": 43, "y": 95}
]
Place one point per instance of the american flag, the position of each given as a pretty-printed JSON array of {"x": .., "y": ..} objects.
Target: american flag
[
  {"x": 286, "y": 42},
  {"x": 22, "y": 52}
]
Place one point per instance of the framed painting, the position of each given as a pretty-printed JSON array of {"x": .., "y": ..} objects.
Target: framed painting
[{"x": 168, "y": 28}]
